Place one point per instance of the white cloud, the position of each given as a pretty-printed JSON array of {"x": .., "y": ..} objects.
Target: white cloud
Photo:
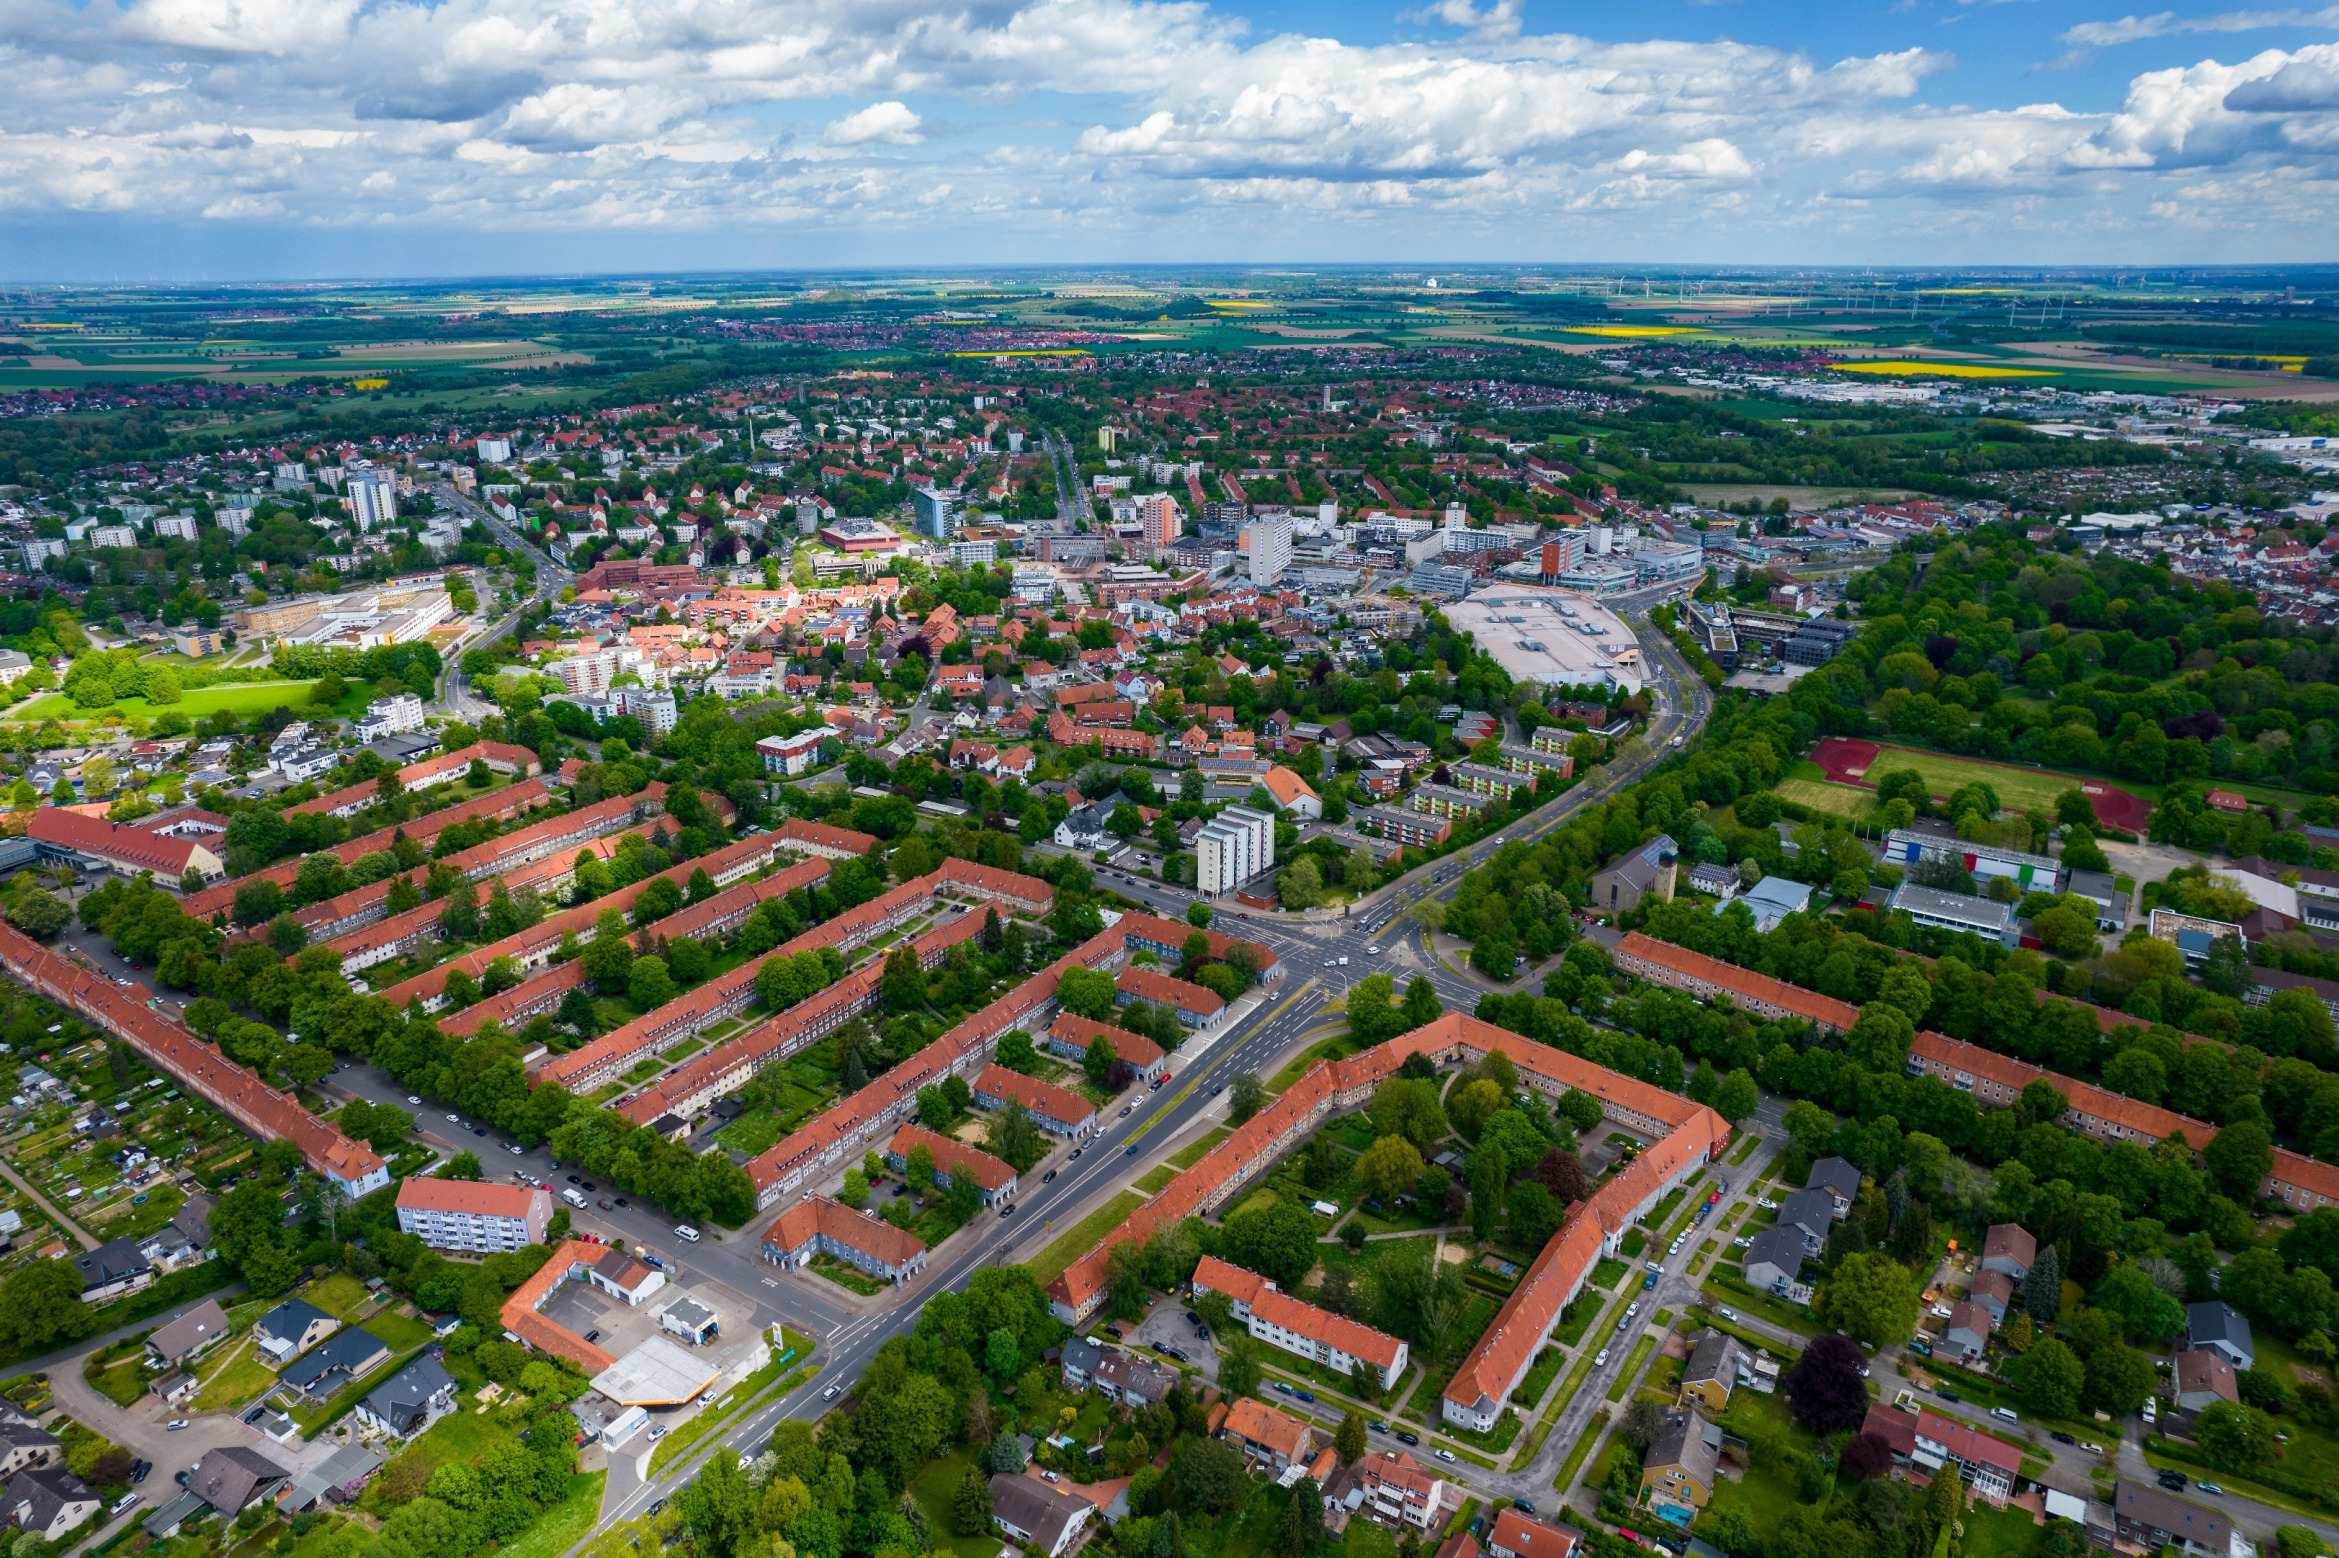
[
  {"x": 883, "y": 124},
  {"x": 1107, "y": 127}
]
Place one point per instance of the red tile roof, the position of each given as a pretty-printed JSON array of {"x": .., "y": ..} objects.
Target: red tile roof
[
  {"x": 799, "y": 830},
  {"x": 1238, "y": 1284},
  {"x": 1739, "y": 982},
  {"x": 520, "y": 1315},
  {"x": 1041, "y": 1098},
  {"x": 1080, "y": 1032},
  {"x": 1326, "y": 1329},
  {"x": 1258, "y": 1423},
  {"x": 1968, "y": 1443},
  {"x": 1147, "y": 985},
  {"x": 1514, "y": 1532},
  {"x": 872, "y": 1236},
  {"x": 117, "y": 842},
  {"x": 950, "y": 1153}
]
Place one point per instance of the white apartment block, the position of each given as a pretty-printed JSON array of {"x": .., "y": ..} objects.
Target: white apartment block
[
  {"x": 653, "y": 706},
  {"x": 37, "y": 552},
  {"x": 1237, "y": 845},
  {"x": 179, "y": 525},
  {"x": 495, "y": 450},
  {"x": 453, "y": 1214},
  {"x": 1266, "y": 545},
  {"x": 390, "y": 717},
  {"x": 373, "y": 498},
  {"x": 105, "y": 537}
]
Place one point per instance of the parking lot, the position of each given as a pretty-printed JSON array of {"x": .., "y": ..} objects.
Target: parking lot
[{"x": 1166, "y": 1325}]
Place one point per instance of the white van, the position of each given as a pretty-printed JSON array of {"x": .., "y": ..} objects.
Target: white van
[
  {"x": 685, "y": 1232},
  {"x": 572, "y": 1198}
]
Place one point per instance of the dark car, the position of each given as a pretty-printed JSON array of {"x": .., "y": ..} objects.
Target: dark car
[
  {"x": 2172, "y": 1480},
  {"x": 1380, "y": 1427},
  {"x": 1007, "y": 1209},
  {"x": 479, "y": 1130},
  {"x": 587, "y": 1187},
  {"x": 574, "y": 1180},
  {"x": 1408, "y": 1438},
  {"x": 1049, "y": 1175},
  {"x": 592, "y": 1336},
  {"x": 1522, "y": 1506},
  {"x": 1948, "y": 1395},
  {"x": 622, "y": 1201},
  {"x": 139, "y": 1469},
  {"x": 2063, "y": 1438}
]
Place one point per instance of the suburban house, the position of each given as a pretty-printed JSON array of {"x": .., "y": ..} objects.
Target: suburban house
[
  {"x": 1399, "y": 1488},
  {"x": 234, "y": 1477},
  {"x": 1259, "y": 1431},
  {"x": 49, "y": 1501},
  {"x": 1716, "y": 1364},
  {"x": 1131, "y": 1380},
  {"x": 2009, "y": 1247},
  {"x": 624, "y": 1277},
  {"x": 1810, "y": 1213},
  {"x": 290, "y": 1329},
  {"x": 1679, "y": 1472},
  {"x": 1967, "y": 1336},
  {"x": 339, "y": 1481},
  {"x": 1038, "y": 1516},
  {"x": 189, "y": 1336},
  {"x": 2203, "y": 1377},
  {"x": 1773, "y": 1259},
  {"x": 1840, "y": 1180},
  {"x": 412, "y": 1399},
  {"x": 1926, "y": 1441},
  {"x": 1994, "y": 1291},
  {"x": 113, "y": 1269},
  {"x": 25, "y": 1443},
  {"x": 2214, "y": 1327},
  {"x": 1516, "y": 1536},
  {"x": 346, "y": 1356},
  {"x": 2152, "y": 1518}
]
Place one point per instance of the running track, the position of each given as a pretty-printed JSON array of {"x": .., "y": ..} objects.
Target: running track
[{"x": 1849, "y": 762}]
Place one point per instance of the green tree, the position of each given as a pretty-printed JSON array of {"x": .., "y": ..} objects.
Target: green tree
[
  {"x": 1097, "y": 1064},
  {"x": 2049, "y": 1379},
  {"x": 649, "y": 984},
  {"x": 1873, "y": 1297},
  {"x": 2042, "y": 1289},
  {"x": 1387, "y": 1169},
  {"x": 2234, "y": 1437},
  {"x": 1349, "y": 1440},
  {"x": 1246, "y": 1096},
  {"x": 1737, "y": 1097},
  {"x": 970, "y": 1508}
]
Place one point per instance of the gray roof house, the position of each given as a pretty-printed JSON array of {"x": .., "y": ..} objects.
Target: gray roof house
[
  {"x": 1081, "y": 1357},
  {"x": 1037, "y": 1515},
  {"x": 1840, "y": 1180},
  {"x": 343, "y": 1476},
  {"x": 346, "y": 1356},
  {"x": 2152, "y": 1518},
  {"x": 49, "y": 1501},
  {"x": 189, "y": 1335},
  {"x": 411, "y": 1399},
  {"x": 1810, "y": 1213},
  {"x": 23, "y": 1444},
  {"x": 1994, "y": 1291},
  {"x": 113, "y": 1269},
  {"x": 1774, "y": 1259},
  {"x": 2214, "y": 1327},
  {"x": 290, "y": 1329},
  {"x": 230, "y": 1478}
]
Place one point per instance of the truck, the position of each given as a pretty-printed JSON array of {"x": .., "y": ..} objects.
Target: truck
[{"x": 572, "y": 1198}]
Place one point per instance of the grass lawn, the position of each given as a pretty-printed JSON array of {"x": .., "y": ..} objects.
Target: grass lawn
[
  {"x": 1330, "y": 1049},
  {"x": 1632, "y": 1366},
  {"x": 463, "y": 1435},
  {"x": 2018, "y": 789},
  {"x": 1077, "y": 1240},
  {"x": 1187, "y": 1156},
  {"x": 121, "y": 1383},
  {"x": 563, "y": 1525},
  {"x": 1836, "y": 800},
  {"x": 935, "y": 1489},
  {"x": 1989, "y": 1533},
  {"x": 195, "y": 703},
  {"x": 1746, "y": 1148},
  {"x": 1575, "y": 1457},
  {"x": 401, "y": 1333},
  {"x": 240, "y": 1377},
  {"x": 1608, "y": 1273},
  {"x": 1156, "y": 1179},
  {"x": 753, "y": 1134},
  {"x": 339, "y": 1295},
  {"x": 846, "y": 1276}
]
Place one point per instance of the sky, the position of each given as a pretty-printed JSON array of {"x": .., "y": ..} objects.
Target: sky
[{"x": 209, "y": 140}]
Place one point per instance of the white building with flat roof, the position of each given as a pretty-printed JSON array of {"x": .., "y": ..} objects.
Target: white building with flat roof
[{"x": 1551, "y": 636}]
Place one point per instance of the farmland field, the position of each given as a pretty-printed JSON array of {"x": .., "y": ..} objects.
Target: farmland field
[{"x": 2018, "y": 789}]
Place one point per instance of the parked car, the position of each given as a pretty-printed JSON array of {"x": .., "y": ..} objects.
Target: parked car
[
  {"x": 1405, "y": 1436},
  {"x": 2063, "y": 1438},
  {"x": 1600, "y": 1358},
  {"x": 1050, "y": 1174},
  {"x": 175, "y": 1424},
  {"x": 2174, "y": 1481},
  {"x": 2090, "y": 1447},
  {"x": 1443, "y": 1455},
  {"x": 2210, "y": 1488},
  {"x": 1948, "y": 1395}
]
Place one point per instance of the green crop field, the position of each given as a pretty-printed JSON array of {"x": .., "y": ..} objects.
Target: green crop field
[{"x": 234, "y": 698}]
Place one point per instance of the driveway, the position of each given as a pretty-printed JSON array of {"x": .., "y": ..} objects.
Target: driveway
[{"x": 1165, "y": 1324}]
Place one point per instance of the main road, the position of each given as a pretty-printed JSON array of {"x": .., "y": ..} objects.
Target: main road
[{"x": 1063, "y": 1188}]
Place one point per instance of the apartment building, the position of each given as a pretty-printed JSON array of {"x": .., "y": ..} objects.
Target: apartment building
[
  {"x": 1678, "y": 968},
  {"x": 1399, "y": 1488},
  {"x": 1056, "y": 1110},
  {"x": 474, "y": 1218},
  {"x": 1276, "y": 1318},
  {"x": 817, "y": 1225}
]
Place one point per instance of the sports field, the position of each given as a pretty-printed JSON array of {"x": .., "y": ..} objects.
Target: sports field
[
  {"x": 2018, "y": 789},
  {"x": 238, "y": 698},
  {"x": 1835, "y": 799}
]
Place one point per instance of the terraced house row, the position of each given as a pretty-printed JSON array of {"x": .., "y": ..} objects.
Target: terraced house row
[
  {"x": 214, "y": 902},
  {"x": 1995, "y": 1081},
  {"x": 839, "y": 1134},
  {"x": 124, "y": 1014},
  {"x": 531, "y": 950},
  {"x": 1689, "y": 1135},
  {"x": 428, "y": 774},
  {"x": 615, "y": 1053}
]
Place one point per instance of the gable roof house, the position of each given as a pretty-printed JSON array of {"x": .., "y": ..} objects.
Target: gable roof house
[
  {"x": 113, "y": 1269},
  {"x": 2009, "y": 1247},
  {"x": 2214, "y": 1327},
  {"x": 1774, "y": 1259},
  {"x": 1400, "y": 1488},
  {"x": 410, "y": 1400},
  {"x": 1031, "y": 1512},
  {"x": 2204, "y": 1377},
  {"x": 1679, "y": 1472},
  {"x": 346, "y": 1356},
  {"x": 1516, "y": 1536},
  {"x": 25, "y": 1443},
  {"x": 49, "y": 1501},
  {"x": 1841, "y": 1180},
  {"x": 2152, "y": 1519},
  {"x": 1716, "y": 1364},
  {"x": 1994, "y": 1291},
  {"x": 1258, "y": 1430},
  {"x": 1967, "y": 1335},
  {"x": 291, "y": 1328},
  {"x": 1810, "y": 1213},
  {"x": 190, "y": 1335},
  {"x": 228, "y": 1479}
]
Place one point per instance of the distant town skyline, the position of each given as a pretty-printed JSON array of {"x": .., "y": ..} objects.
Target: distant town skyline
[{"x": 162, "y": 140}]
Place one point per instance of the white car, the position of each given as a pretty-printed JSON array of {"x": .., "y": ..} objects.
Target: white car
[
  {"x": 454, "y": 1119},
  {"x": 1600, "y": 1358},
  {"x": 1743, "y": 1243},
  {"x": 1372, "y": 952},
  {"x": 1766, "y": 1203},
  {"x": 830, "y": 1394},
  {"x": 412, "y": 1099},
  {"x": 685, "y": 1232},
  {"x": 1632, "y": 1309},
  {"x": 1445, "y": 1455}
]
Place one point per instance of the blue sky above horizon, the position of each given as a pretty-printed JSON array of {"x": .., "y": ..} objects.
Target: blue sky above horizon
[{"x": 153, "y": 140}]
